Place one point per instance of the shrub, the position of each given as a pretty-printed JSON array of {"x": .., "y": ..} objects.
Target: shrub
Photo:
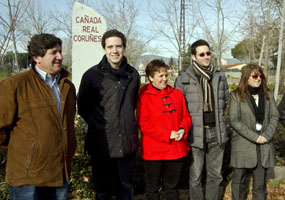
[
  {"x": 81, "y": 186},
  {"x": 4, "y": 190}
]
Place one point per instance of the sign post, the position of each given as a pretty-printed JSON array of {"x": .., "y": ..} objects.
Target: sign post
[{"x": 88, "y": 28}]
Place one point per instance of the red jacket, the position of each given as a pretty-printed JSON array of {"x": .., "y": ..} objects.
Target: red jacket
[{"x": 158, "y": 113}]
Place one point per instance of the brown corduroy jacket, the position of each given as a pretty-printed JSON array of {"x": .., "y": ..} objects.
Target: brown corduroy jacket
[{"x": 42, "y": 143}]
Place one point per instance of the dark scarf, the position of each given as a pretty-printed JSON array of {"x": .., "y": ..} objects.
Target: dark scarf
[
  {"x": 118, "y": 73},
  {"x": 205, "y": 74},
  {"x": 258, "y": 110}
]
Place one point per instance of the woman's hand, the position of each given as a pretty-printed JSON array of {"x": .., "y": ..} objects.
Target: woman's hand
[
  {"x": 173, "y": 135},
  {"x": 181, "y": 132},
  {"x": 177, "y": 135},
  {"x": 261, "y": 140}
]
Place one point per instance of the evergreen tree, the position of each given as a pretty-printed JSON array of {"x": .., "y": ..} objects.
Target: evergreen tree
[{"x": 171, "y": 62}]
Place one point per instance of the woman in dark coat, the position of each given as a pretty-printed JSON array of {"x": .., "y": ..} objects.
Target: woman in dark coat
[
  {"x": 254, "y": 117},
  {"x": 164, "y": 122}
]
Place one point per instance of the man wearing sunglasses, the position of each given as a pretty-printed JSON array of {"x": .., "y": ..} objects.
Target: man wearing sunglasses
[{"x": 206, "y": 92}]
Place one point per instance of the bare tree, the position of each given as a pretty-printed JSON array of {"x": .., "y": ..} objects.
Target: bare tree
[
  {"x": 251, "y": 35},
  {"x": 279, "y": 7},
  {"x": 123, "y": 15},
  {"x": 63, "y": 20},
  {"x": 218, "y": 37},
  {"x": 279, "y": 52},
  {"x": 5, "y": 37},
  {"x": 63, "y": 24},
  {"x": 37, "y": 20},
  {"x": 264, "y": 31},
  {"x": 166, "y": 23},
  {"x": 12, "y": 15}
]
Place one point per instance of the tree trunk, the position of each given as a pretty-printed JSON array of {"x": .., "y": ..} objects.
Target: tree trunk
[
  {"x": 218, "y": 33},
  {"x": 280, "y": 45},
  {"x": 262, "y": 50},
  {"x": 12, "y": 27},
  {"x": 266, "y": 59}
]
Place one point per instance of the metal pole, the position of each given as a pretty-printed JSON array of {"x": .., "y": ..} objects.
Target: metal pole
[{"x": 181, "y": 34}]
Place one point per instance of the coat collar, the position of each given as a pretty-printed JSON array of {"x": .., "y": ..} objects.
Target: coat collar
[
  {"x": 64, "y": 75},
  {"x": 149, "y": 89},
  {"x": 188, "y": 71}
]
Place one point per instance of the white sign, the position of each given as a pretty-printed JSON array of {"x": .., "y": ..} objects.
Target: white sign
[{"x": 88, "y": 28}]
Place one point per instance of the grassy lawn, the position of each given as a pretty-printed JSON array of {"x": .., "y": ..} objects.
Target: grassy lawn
[{"x": 3, "y": 74}]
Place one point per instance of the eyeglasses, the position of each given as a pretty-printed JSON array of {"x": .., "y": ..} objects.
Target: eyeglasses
[
  {"x": 208, "y": 53},
  {"x": 255, "y": 76}
]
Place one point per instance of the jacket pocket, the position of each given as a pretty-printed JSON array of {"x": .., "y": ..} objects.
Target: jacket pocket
[{"x": 32, "y": 150}]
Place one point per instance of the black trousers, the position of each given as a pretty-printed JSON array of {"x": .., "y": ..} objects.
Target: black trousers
[
  {"x": 164, "y": 173},
  {"x": 113, "y": 176},
  {"x": 259, "y": 181}
]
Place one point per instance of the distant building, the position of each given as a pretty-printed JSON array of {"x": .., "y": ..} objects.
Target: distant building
[
  {"x": 232, "y": 61},
  {"x": 142, "y": 61},
  {"x": 232, "y": 67},
  {"x": 233, "y": 71}
]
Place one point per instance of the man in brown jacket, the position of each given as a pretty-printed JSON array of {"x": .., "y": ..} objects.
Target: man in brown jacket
[{"x": 37, "y": 110}]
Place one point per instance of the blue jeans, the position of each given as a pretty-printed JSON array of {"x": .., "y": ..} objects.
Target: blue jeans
[
  {"x": 30, "y": 192},
  {"x": 212, "y": 155},
  {"x": 113, "y": 173}
]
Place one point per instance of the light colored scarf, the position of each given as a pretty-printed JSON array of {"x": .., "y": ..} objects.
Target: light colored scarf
[{"x": 206, "y": 74}]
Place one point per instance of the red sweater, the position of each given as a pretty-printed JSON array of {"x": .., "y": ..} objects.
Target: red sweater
[{"x": 158, "y": 113}]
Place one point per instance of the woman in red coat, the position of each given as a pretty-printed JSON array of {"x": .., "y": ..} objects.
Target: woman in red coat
[{"x": 164, "y": 122}]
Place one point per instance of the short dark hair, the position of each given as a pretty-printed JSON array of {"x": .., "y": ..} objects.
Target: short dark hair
[
  {"x": 40, "y": 43},
  {"x": 197, "y": 44},
  {"x": 113, "y": 33},
  {"x": 155, "y": 66}
]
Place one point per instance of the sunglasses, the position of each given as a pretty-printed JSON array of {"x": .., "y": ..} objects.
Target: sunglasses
[
  {"x": 208, "y": 53},
  {"x": 255, "y": 76}
]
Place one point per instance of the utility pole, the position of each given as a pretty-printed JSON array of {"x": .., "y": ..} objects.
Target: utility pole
[
  {"x": 182, "y": 34},
  {"x": 280, "y": 44}
]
